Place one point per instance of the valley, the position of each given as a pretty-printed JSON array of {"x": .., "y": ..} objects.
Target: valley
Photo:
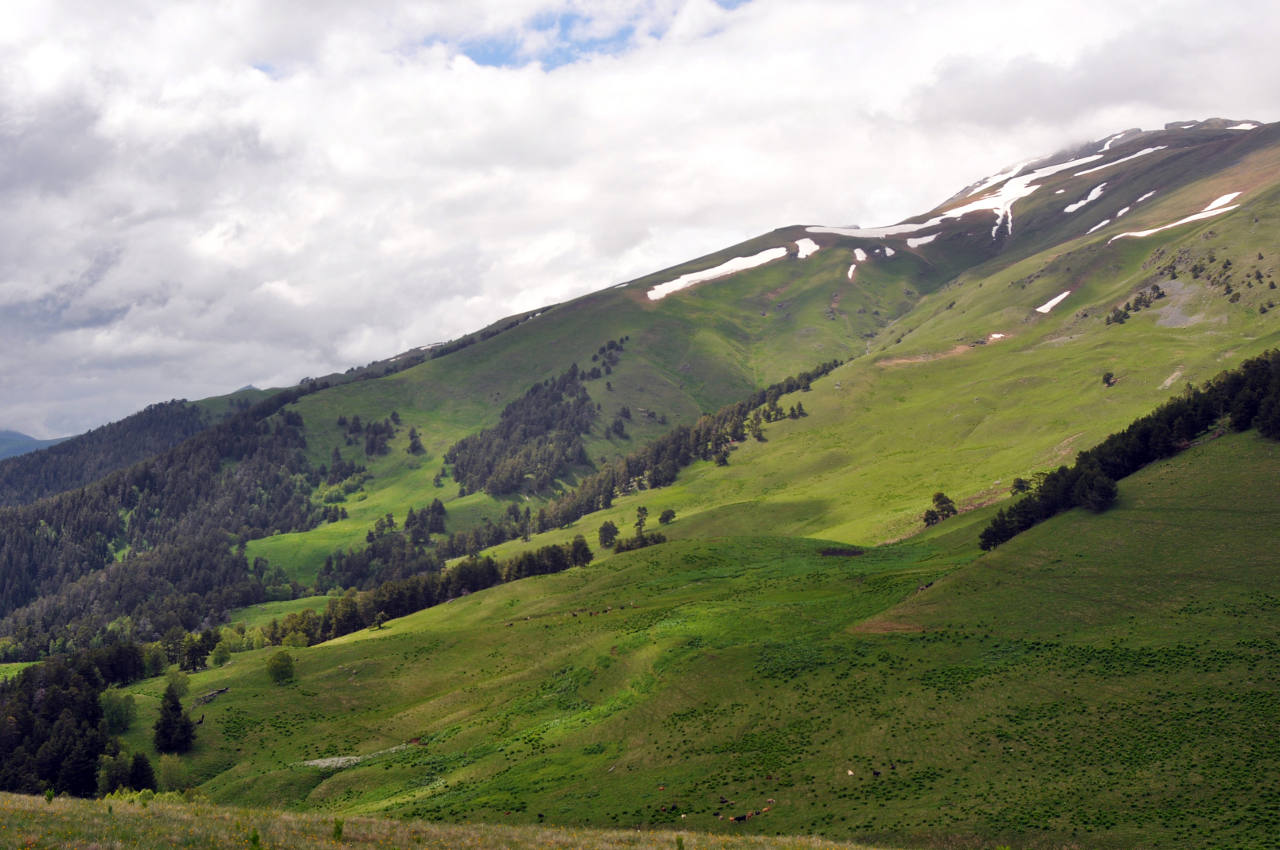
[{"x": 802, "y": 655}]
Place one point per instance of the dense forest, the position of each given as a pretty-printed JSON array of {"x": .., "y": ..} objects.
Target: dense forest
[
  {"x": 169, "y": 525},
  {"x": 56, "y": 736},
  {"x": 1248, "y": 397},
  {"x": 94, "y": 454},
  {"x": 537, "y": 439}
]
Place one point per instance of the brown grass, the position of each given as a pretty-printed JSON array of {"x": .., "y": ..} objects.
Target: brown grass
[{"x": 139, "y": 822}]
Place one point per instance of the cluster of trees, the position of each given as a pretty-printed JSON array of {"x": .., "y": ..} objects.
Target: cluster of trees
[
  {"x": 390, "y": 552},
  {"x": 154, "y": 542},
  {"x": 1248, "y": 396},
  {"x": 53, "y": 730},
  {"x": 537, "y": 438},
  {"x": 375, "y": 435},
  {"x": 90, "y": 456},
  {"x": 943, "y": 508},
  {"x": 1144, "y": 299},
  {"x": 608, "y": 533}
]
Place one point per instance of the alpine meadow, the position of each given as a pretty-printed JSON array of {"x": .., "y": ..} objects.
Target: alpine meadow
[{"x": 958, "y": 533}]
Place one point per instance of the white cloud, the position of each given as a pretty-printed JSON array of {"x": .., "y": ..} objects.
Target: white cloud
[{"x": 195, "y": 196}]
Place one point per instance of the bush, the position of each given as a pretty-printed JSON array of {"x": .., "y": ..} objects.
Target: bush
[
  {"x": 280, "y": 667},
  {"x": 118, "y": 709},
  {"x": 174, "y": 775}
]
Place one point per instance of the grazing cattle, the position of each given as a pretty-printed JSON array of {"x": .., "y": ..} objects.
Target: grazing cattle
[{"x": 875, "y": 772}]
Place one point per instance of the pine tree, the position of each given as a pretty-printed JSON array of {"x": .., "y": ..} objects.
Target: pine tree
[
  {"x": 174, "y": 730},
  {"x": 141, "y": 776}
]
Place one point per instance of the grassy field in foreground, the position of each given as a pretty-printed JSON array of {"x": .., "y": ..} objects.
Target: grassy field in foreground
[
  {"x": 1100, "y": 681},
  {"x": 165, "y": 824}
]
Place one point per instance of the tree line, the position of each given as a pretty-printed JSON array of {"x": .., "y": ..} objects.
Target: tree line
[
  {"x": 1246, "y": 397},
  {"x": 398, "y": 597}
]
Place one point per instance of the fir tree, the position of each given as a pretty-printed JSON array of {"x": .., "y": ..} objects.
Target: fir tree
[{"x": 174, "y": 730}]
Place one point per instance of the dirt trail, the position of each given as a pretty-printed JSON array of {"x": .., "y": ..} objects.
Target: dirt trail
[
  {"x": 922, "y": 358},
  {"x": 1168, "y": 382}
]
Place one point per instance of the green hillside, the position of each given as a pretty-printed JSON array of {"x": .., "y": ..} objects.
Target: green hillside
[
  {"x": 1058, "y": 690},
  {"x": 944, "y": 343},
  {"x": 801, "y": 656}
]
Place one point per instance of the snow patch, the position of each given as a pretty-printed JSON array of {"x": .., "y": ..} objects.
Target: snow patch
[
  {"x": 998, "y": 178},
  {"x": 1144, "y": 197},
  {"x": 1100, "y": 225},
  {"x": 1215, "y": 208},
  {"x": 1106, "y": 146},
  {"x": 1247, "y": 125},
  {"x": 1052, "y": 302},
  {"x": 917, "y": 241},
  {"x": 996, "y": 336},
  {"x": 888, "y": 252},
  {"x": 1094, "y": 194},
  {"x": 737, "y": 264},
  {"x": 1122, "y": 211},
  {"x": 806, "y": 247},
  {"x": 999, "y": 202},
  {"x": 1225, "y": 199},
  {"x": 1060, "y": 191},
  {"x": 852, "y": 266},
  {"x": 860, "y": 255},
  {"x": 1142, "y": 152}
]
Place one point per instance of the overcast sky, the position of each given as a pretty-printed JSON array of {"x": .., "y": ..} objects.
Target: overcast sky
[{"x": 198, "y": 196}]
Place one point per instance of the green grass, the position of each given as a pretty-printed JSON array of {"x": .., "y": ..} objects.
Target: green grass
[
  {"x": 8, "y": 671},
  {"x": 1100, "y": 680},
  {"x": 263, "y": 613}
]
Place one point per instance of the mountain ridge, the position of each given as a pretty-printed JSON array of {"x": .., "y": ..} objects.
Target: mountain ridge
[{"x": 767, "y": 649}]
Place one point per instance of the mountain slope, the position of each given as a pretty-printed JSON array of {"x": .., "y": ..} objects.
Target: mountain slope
[
  {"x": 1060, "y": 687},
  {"x": 920, "y": 406},
  {"x": 920, "y": 693}
]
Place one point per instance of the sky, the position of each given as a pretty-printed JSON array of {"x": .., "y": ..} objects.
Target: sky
[{"x": 197, "y": 196}]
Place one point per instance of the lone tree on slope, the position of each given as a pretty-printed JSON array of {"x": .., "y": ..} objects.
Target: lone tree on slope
[{"x": 175, "y": 733}]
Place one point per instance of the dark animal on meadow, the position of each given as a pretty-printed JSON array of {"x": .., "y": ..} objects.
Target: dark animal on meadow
[{"x": 875, "y": 772}]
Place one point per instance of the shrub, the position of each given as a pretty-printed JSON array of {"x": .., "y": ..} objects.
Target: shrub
[{"x": 280, "y": 667}]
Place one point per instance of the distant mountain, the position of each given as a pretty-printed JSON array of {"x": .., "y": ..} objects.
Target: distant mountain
[{"x": 13, "y": 444}]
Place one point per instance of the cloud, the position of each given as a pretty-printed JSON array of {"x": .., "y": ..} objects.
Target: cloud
[{"x": 196, "y": 196}]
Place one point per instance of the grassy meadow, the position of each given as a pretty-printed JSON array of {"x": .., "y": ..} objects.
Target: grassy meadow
[{"x": 912, "y": 695}]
